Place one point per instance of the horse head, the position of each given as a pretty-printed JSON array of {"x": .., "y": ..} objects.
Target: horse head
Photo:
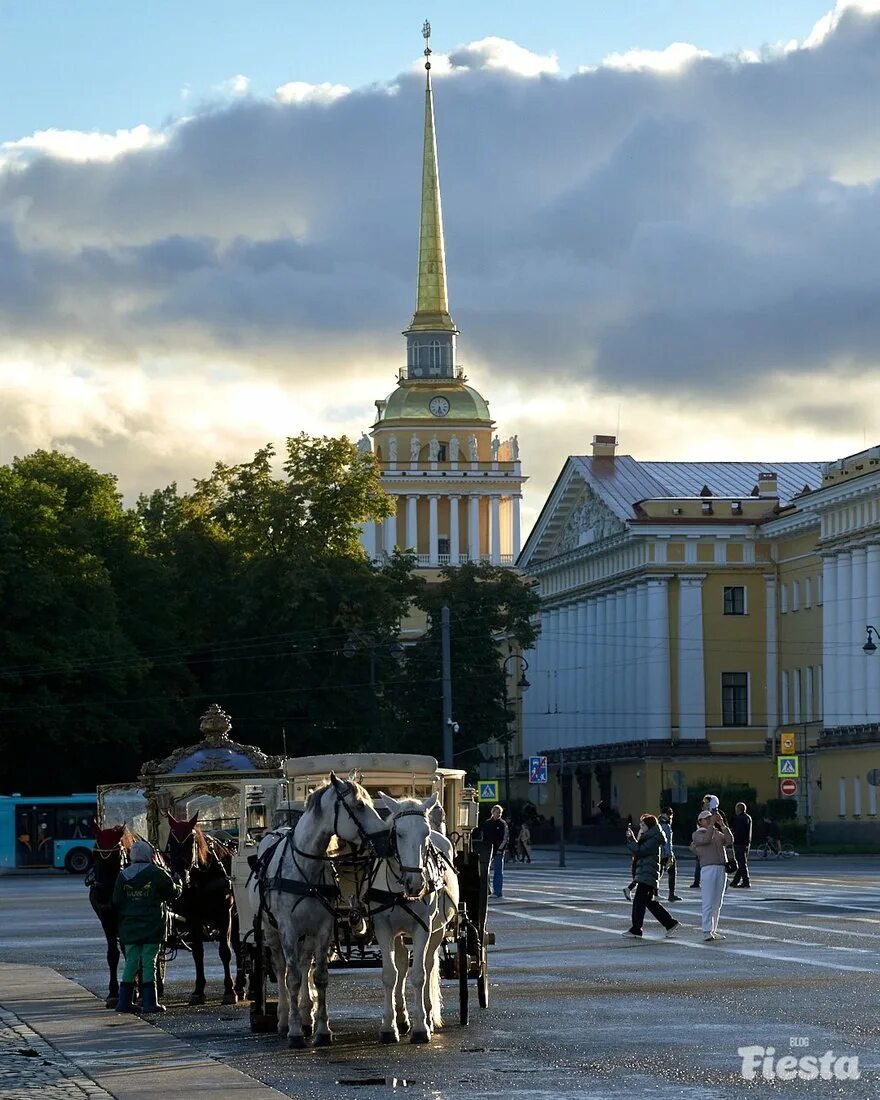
[
  {"x": 187, "y": 846},
  {"x": 343, "y": 808},
  {"x": 113, "y": 842},
  {"x": 411, "y": 832}
]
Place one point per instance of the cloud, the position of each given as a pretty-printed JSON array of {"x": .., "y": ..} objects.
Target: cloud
[{"x": 686, "y": 237}]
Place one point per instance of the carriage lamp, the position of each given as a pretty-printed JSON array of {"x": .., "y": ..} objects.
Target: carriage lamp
[{"x": 870, "y": 645}]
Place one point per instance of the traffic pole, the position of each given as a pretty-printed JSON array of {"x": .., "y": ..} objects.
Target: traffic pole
[{"x": 446, "y": 673}]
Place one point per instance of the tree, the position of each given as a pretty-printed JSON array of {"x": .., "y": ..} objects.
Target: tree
[{"x": 488, "y": 606}]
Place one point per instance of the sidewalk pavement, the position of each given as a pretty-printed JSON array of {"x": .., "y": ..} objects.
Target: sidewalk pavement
[{"x": 58, "y": 1042}]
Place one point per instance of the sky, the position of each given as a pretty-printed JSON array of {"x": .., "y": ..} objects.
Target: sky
[{"x": 661, "y": 221}]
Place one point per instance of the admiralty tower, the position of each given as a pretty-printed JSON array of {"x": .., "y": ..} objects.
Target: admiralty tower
[{"x": 457, "y": 485}]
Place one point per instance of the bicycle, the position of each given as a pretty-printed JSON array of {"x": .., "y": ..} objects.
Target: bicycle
[{"x": 769, "y": 851}]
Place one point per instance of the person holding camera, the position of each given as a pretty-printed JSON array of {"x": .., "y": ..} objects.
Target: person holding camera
[
  {"x": 709, "y": 842},
  {"x": 646, "y": 850},
  {"x": 710, "y": 802}
]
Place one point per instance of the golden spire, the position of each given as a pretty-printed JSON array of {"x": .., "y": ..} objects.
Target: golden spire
[{"x": 432, "y": 306}]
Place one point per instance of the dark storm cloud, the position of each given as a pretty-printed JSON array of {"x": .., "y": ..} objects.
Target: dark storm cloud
[{"x": 694, "y": 229}]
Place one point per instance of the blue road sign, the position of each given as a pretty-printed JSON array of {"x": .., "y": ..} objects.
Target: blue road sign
[
  {"x": 487, "y": 790},
  {"x": 537, "y": 769}
]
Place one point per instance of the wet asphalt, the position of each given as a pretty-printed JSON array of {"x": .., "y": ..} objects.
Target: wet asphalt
[{"x": 576, "y": 1010}]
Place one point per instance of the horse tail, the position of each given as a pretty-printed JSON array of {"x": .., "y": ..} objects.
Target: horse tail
[{"x": 436, "y": 993}]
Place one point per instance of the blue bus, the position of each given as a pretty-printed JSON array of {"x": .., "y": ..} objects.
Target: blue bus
[{"x": 44, "y": 831}]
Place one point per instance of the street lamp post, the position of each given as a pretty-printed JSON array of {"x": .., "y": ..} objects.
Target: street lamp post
[
  {"x": 522, "y": 683},
  {"x": 870, "y": 645}
]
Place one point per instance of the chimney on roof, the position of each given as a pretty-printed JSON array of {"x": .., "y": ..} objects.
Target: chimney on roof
[
  {"x": 767, "y": 484},
  {"x": 604, "y": 446}
]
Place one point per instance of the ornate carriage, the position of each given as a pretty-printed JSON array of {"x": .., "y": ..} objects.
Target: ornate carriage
[{"x": 269, "y": 801}]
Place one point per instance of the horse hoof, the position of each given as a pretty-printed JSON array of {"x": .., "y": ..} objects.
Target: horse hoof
[
  {"x": 389, "y": 1037},
  {"x": 404, "y": 1027},
  {"x": 420, "y": 1037},
  {"x": 197, "y": 999},
  {"x": 111, "y": 1002},
  {"x": 296, "y": 1042},
  {"x": 229, "y": 999},
  {"x": 324, "y": 1039}
]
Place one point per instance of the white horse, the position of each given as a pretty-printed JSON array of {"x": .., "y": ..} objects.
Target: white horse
[
  {"x": 414, "y": 892},
  {"x": 297, "y": 894}
]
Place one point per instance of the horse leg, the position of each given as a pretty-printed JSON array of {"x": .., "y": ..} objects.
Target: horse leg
[
  {"x": 112, "y": 964},
  {"x": 224, "y": 949},
  {"x": 323, "y": 1034},
  {"x": 279, "y": 965},
  {"x": 197, "y": 997},
  {"x": 434, "y": 1003},
  {"x": 240, "y": 979},
  {"x": 401, "y": 962},
  {"x": 386, "y": 941},
  {"x": 293, "y": 956},
  {"x": 421, "y": 1027},
  {"x": 307, "y": 1000}
]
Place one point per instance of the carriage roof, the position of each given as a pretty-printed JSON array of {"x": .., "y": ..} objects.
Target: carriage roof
[{"x": 373, "y": 768}]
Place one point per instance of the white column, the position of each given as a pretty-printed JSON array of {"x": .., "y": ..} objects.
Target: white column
[
  {"x": 640, "y": 649},
  {"x": 580, "y": 674},
  {"x": 829, "y": 641},
  {"x": 691, "y": 672},
  {"x": 616, "y": 722},
  {"x": 854, "y": 653},
  {"x": 872, "y": 616},
  {"x": 433, "y": 530},
  {"x": 390, "y": 529},
  {"x": 534, "y": 699},
  {"x": 368, "y": 538},
  {"x": 771, "y": 670},
  {"x": 454, "y": 538},
  {"x": 565, "y": 663},
  {"x": 517, "y": 534},
  {"x": 591, "y": 650},
  {"x": 631, "y": 708},
  {"x": 495, "y": 528},
  {"x": 552, "y": 729},
  {"x": 601, "y": 671},
  {"x": 844, "y": 642},
  {"x": 412, "y": 521},
  {"x": 657, "y": 660},
  {"x": 474, "y": 527}
]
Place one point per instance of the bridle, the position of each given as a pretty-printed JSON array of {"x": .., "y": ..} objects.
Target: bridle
[{"x": 394, "y": 851}]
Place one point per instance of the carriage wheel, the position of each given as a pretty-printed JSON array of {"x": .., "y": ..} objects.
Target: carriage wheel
[
  {"x": 463, "y": 978},
  {"x": 483, "y": 978}
]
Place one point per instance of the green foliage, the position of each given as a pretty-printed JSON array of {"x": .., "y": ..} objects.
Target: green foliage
[
  {"x": 780, "y": 809},
  {"x": 490, "y": 609}
]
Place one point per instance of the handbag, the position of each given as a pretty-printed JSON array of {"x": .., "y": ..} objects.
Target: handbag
[{"x": 730, "y": 865}]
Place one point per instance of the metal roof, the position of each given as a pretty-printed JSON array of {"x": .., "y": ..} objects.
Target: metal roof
[{"x": 623, "y": 480}]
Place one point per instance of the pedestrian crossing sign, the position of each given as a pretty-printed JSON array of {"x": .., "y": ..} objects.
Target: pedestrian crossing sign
[
  {"x": 788, "y": 767},
  {"x": 537, "y": 769},
  {"x": 487, "y": 790}
]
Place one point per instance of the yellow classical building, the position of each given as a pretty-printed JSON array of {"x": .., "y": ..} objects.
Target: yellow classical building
[{"x": 691, "y": 613}]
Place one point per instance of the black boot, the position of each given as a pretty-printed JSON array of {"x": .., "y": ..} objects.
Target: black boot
[
  {"x": 148, "y": 999},
  {"x": 124, "y": 1002}
]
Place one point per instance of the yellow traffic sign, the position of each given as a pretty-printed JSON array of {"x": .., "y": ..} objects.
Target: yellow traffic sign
[
  {"x": 487, "y": 790},
  {"x": 788, "y": 767},
  {"x": 786, "y": 743}
]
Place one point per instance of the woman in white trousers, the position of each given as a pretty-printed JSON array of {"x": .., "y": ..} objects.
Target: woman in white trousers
[{"x": 709, "y": 841}]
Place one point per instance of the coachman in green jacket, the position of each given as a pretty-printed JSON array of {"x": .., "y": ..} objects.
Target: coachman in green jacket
[{"x": 141, "y": 896}]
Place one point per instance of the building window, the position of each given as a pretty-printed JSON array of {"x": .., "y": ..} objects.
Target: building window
[
  {"x": 436, "y": 354},
  {"x": 819, "y": 590},
  {"x": 734, "y": 599},
  {"x": 442, "y": 544},
  {"x": 872, "y": 800},
  {"x": 796, "y": 695},
  {"x": 735, "y": 698},
  {"x": 841, "y": 798},
  {"x": 441, "y": 454},
  {"x": 857, "y": 796},
  {"x": 783, "y": 599},
  {"x": 795, "y": 595},
  {"x": 810, "y": 701},
  {"x": 783, "y": 700},
  {"x": 808, "y": 593}
]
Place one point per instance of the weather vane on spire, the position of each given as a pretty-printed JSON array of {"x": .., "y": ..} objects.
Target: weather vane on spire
[{"x": 426, "y": 34}]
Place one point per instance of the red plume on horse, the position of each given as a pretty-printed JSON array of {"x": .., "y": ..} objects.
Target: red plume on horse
[{"x": 206, "y": 909}]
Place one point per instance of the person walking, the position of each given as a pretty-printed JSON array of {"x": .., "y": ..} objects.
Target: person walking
[
  {"x": 667, "y": 853},
  {"x": 525, "y": 843},
  {"x": 647, "y": 849},
  {"x": 709, "y": 840},
  {"x": 710, "y": 802},
  {"x": 742, "y": 841},
  {"x": 140, "y": 897},
  {"x": 495, "y": 830}
]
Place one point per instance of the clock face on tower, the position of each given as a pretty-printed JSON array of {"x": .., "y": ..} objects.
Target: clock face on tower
[{"x": 439, "y": 406}]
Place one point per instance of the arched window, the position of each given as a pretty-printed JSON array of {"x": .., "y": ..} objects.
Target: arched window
[{"x": 436, "y": 353}]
